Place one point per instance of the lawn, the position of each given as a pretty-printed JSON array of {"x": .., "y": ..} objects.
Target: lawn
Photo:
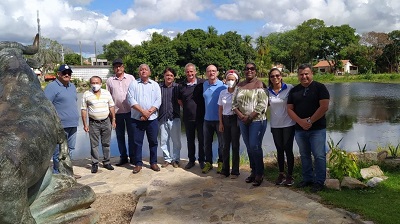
[{"x": 380, "y": 204}]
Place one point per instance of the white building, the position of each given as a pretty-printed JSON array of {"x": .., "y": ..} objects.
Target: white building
[{"x": 85, "y": 72}]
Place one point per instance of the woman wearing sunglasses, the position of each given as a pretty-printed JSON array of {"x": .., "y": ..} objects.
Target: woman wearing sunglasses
[{"x": 282, "y": 126}]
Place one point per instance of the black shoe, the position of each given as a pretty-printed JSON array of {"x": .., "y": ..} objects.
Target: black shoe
[
  {"x": 258, "y": 180},
  {"x": 108, "y": 166},
  {"x": 250, "y": 179},
  {"x": 175, "y": 164},
  {"x": 189, "y": 165},
  {"x": 304, "y": 184},
  {"x": 122, "y": 162},
  {"x": 317, "y": 187},
  {"x": 202, "y": 165},
  {"x": 95, "y": 167}
]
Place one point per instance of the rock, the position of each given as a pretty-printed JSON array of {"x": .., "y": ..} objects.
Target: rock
[
  {"x": 382, "y": 155},
  {"x": 332, "y": 184},
  {"x": 352, "y": 183},
  {"x": 374, "y": 181},
  {"x": 366, "y": 156},
  {"x": 372, "y": 171}
]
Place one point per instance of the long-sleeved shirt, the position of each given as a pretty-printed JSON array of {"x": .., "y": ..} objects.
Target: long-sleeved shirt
[
  {"x": 146, "y": 95},
  {"x": 118, "y": 89},
  {"x": 249, "y": 97}
]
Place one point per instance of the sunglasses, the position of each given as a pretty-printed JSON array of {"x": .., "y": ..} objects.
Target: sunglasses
[
  {"x": 250, "y": 69},
  {"x": 305, "y": 91},
  {"x": 67, "y": 73},
  {"x": 274, "y": 76}
]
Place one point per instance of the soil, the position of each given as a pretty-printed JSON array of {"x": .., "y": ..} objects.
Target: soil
[{"x": 115, "y": 208}]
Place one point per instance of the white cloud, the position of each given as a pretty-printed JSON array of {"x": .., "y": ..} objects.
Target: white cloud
[{"x": 364, "y": 15}]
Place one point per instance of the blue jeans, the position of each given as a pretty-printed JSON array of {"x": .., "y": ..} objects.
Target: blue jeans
[
  {"x": 70, "y": 134},
  {"x": 252, "y": 135},
  {"x": 171, "y": 130},
  {"x": 312, "y": 142},
  {"x": 124, "y": 120},
  {"x": 209, "y": 128},
  {"x": 150, "y": 127}
]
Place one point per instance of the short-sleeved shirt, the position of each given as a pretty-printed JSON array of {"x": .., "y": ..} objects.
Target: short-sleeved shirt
[
  {"x": 192, "y": 99},
  {"x": 305, "y": 102},
  {"x": 279, "y": 117},
  {"x": 64, "y": 99},
  {"x": 118, "y": 89},
  {"x": 169, "y": 108},
  {"x": 211, "y": 94},
  {"x": 98, "y": 108},
  {"x": 146, "y": 95},
  {"x": 225, "y": 100}
]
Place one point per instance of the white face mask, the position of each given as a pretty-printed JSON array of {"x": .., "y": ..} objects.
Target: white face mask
[
  {"x": 96, "y": 87},
  {"x": 230, "y": 83}
]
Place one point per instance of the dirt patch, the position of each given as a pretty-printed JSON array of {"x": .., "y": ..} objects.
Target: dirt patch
[{"x": 115, "y": 208}]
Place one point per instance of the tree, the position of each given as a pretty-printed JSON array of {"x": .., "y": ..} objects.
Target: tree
[
  {"x": 375, "y": 43},
  {"x": 72, "y": 59},
  {"x": 49, "y": 54},
  {"x": 117, "y": 49},
  {"x": 263, "y": 59}
]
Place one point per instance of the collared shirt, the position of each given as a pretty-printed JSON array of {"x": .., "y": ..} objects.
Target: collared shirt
[
  {"x": 64, "y": 99},
  {"x": 118, "y": 89},
  {"x": 279, "y": 117},
  {"x": 211, "y": 94},
  {"x": 225, "y": 100},
  {"x": 98, "y": 107},
  {"x": 191, "y": 95},
  {"x": 169, "y": 108},
  {"x": 147, "y": 95}
]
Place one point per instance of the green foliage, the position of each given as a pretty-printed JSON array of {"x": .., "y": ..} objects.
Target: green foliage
[
  {"x": 363, "y": 149},
  {"x": 341, "y": 163},
  {"x": 72, "y": 59},
  {"x": 394, "y": 150}
]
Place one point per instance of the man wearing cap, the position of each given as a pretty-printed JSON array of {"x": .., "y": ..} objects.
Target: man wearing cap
[
  {"x": 118, "y": 87},
  {"x": 62, "y": 93}
]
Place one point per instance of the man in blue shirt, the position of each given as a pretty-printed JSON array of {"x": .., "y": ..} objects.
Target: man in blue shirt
[
  {"x": 144, "y": 97},
  {"x": 62, "y": 93},
  {"x": 212, "y": 87}
]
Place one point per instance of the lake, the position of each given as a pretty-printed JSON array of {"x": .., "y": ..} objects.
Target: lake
[{"x": 364, "y": 113}]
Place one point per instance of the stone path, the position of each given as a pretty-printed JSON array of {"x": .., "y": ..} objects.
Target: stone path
[{"x": 176, "y": 195}]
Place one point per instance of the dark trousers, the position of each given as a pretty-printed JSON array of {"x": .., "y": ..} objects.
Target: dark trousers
[
  {"x": 283, "y": 139},
  {"x": 191, "y": 127},
  {"x": 231, "y": 135},
  {"x": 151, "y": 130},
  {"x": 123, "y": 122},
  {"x": 209, "y": 128}
]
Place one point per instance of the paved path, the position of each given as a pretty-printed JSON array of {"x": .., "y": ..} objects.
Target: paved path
[{"x": 176, "y": 195}]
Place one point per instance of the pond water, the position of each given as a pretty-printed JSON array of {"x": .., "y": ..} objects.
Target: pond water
[{"x": 364, "y": 113}]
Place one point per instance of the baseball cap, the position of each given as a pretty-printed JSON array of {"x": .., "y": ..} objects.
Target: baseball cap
[
  {"x": 117, "y": 61},
  {"x": 64, "y": 67}
]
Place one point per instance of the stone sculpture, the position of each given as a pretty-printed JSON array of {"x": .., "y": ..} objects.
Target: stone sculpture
[{"x": 29, "y": 131}]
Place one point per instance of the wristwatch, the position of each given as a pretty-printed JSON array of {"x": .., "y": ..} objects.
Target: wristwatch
[{"x": 309, "y": 120}]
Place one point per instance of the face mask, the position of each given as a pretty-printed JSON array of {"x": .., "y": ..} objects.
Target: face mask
[
  {"x": 96, "y": 87},
  {"x": 230, "y": 83}
]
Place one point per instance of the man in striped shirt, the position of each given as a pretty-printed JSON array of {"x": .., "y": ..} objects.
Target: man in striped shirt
[{"x": 99, "y": 105}]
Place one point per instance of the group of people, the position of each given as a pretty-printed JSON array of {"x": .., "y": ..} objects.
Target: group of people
[{"x": 228, "y": 109}]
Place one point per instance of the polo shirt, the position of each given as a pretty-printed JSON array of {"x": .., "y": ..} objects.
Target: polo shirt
[
  {"x": 147, "y": 95},
  {"x": 211, "y": 94},
  {"x": 98, "y": 108},
  {"x": 118, "y": 89},
  {"x": 279, "y": 117},
  {"x": 64, "y": 99},
  {"x": 305, "y": 102},
  {"x": 192, "y": 99},
  {"x": 225, "y": 100}
]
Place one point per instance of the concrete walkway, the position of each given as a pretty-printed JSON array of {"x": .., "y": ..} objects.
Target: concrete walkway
[{"x": 176, "y": 195}]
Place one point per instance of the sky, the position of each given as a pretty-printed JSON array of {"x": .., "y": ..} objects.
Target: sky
[{"x": 86, "y": 25}]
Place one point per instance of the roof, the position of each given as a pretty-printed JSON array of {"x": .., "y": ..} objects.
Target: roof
[{"x": 324, "y": 63}]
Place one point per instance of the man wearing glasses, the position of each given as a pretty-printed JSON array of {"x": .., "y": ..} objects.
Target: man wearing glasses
[
  {"x": 118, "y": 87},
  {"x": 307, "y": 105},
  {"x": 62, "y": 93}
]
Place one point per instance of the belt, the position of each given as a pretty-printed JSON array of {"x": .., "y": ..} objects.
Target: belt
[
  {"x": 229, "y": 116},
  {"x": 98, "y": 121}
]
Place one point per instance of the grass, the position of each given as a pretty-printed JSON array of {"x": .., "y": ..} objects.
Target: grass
[{"x": 380, "y": 204}]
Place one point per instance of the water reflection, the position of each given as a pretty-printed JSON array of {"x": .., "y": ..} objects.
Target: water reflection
[{"x": 364, "y": 113}]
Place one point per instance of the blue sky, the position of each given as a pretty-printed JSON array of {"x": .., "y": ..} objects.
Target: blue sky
[{"x": 102, "y": 21}]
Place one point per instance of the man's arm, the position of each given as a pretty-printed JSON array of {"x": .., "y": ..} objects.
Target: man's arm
[
  {"x": 302, "y": 122},
  {"x": 112, "y": 112},
  {"x": 320, "y": 112},
  {"x": 84, "y": 120}
]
